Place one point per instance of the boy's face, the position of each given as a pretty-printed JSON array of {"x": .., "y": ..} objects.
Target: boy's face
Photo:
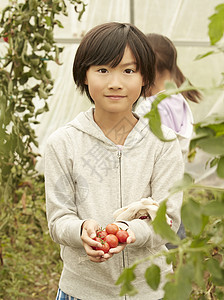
[{"x": 115, "y": 90}]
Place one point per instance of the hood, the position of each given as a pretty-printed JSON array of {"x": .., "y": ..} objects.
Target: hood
[
  {"x": 85, "y": 123},
  {"x": 174, "y": 111}
]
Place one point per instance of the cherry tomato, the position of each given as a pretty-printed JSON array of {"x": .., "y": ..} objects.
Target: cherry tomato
[
  {"x": 122, "y": 236},
  {"x": 112, "y": 228},
  {"x": 98, "y": 239},
  {"x": 112, "y": 240},
  {"x": 101, "y": 233},
  {"x": 105, "y": 247}
]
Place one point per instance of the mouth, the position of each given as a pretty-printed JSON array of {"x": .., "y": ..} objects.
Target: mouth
[{"x": 115, "y": 97}]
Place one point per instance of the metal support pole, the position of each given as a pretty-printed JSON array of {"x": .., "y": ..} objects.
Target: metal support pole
[{"x": 132, "y": 12}]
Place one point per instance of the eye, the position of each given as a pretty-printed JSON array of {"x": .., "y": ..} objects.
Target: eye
[
  {"x": 102, "y": 70},
  {"x": 129, "y": 71}
]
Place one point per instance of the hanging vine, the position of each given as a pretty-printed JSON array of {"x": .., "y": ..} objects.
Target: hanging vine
[{"x": 27, "y": 28}]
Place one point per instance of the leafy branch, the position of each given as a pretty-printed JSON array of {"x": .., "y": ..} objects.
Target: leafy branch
[
  {"x": 27, "y": 28},
  {"x": 25, "y": 79}
]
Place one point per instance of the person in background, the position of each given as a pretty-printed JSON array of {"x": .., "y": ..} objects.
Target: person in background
[
  {"x": 174, "y": 110},
  {"x": 105, "y": 159}
]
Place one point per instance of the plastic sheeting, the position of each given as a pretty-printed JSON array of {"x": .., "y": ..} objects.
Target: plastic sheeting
[{"x": 185, "y": 22}]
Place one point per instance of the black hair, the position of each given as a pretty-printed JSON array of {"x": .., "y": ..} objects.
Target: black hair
[{"x": 105, "y": 45}]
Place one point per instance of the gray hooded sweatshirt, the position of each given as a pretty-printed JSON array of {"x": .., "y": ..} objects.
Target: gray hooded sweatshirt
[{"x": 89, "y": 177}]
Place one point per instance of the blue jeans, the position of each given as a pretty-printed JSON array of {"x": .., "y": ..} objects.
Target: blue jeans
[{"x": 62, "y": 296}]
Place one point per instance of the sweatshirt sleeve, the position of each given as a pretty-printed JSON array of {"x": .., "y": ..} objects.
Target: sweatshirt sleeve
[
  {"x": 168, "y": 169},
  {"x": 63, "y": 222}
]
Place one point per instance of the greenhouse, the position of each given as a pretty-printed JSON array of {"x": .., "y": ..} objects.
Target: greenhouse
[{"x": 39, "y": 96}]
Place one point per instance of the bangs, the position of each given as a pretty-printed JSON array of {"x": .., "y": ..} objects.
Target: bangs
[
  {"x": 106, "y": 54},
  {"x": 109, "y": 47}
]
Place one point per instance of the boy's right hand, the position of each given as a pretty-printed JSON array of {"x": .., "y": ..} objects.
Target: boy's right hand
[{"x": 89, "y": 228}]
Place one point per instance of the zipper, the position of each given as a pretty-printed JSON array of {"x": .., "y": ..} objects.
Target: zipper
[{"x": 119, "y": 155}]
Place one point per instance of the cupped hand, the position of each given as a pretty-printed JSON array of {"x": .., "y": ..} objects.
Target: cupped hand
[{"x": 89, "y": 229}]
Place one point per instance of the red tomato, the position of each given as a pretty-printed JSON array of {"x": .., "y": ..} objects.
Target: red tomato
[
  {"x": 101, "y": 233},
  {"x": 112, "y": 228},
  {"x": 98, "y": 240},
  {"x": 105, "y": 247},
  {"x": 6, "y": 39},
  {"x": 122, "y": 236},
  {"x": 112, "y": 240}
]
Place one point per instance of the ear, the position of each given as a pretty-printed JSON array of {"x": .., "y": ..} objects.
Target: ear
[{"x": 86, "y": 81}]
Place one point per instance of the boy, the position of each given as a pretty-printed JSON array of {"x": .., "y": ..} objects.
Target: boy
[{"x": 107, "y": 158}]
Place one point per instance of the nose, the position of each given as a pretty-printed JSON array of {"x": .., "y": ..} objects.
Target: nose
[{"x": 115, "y": 82}]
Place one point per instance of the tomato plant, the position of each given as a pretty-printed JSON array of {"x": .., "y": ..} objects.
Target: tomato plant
[{"x": 198, "y": 258}]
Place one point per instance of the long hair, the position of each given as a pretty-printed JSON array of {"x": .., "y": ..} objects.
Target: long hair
[{"x": 166, "y": 59}]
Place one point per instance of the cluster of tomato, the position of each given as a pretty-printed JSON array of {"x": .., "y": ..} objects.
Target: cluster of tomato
[{"x": 110, "y": 237}]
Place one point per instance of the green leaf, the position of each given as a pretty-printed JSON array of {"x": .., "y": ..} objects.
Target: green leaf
[
  {"x": 42, "y": 94},
  {"x": 220, "y": 167},
  {"x": 198, "y": 243},
  {"x": 214, "y": 162},
  {"x": 216, "y": 25},
  {"x": 48, "y": 20},
  {"x": 214, "y": 208},
  {"x": 127, "y": 275},
  {"x": 192, "y": 216},
  {"x": 33, "y": 4},
  {"x": 200, "y": 56},
  {"x": 171, "y": 258},
  {"x": 182, "y": 286},
  {"x": 198, "y": 260},
  {"x": 201, "y": 133},
  {"x": 128, "y": 288},
  {"x": 216, "y": 271},
  {"x": 154, "y": 118},
  {"x": 161, "y": 227},
  {"x": 186, "y": 182},
  {"x": 152, "y": 276},
  {"x": 212, "y": 145},
  {"x": 34, "y": 62},
  {"x": 10, "y": 86},
  {"x": 20, "y": 108},
  {"x": 125, "y": 279},
  {"x": 214, "y": 268},
  {"x": 59, "y": 24},
  {"x": 47, "y": 47}
]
